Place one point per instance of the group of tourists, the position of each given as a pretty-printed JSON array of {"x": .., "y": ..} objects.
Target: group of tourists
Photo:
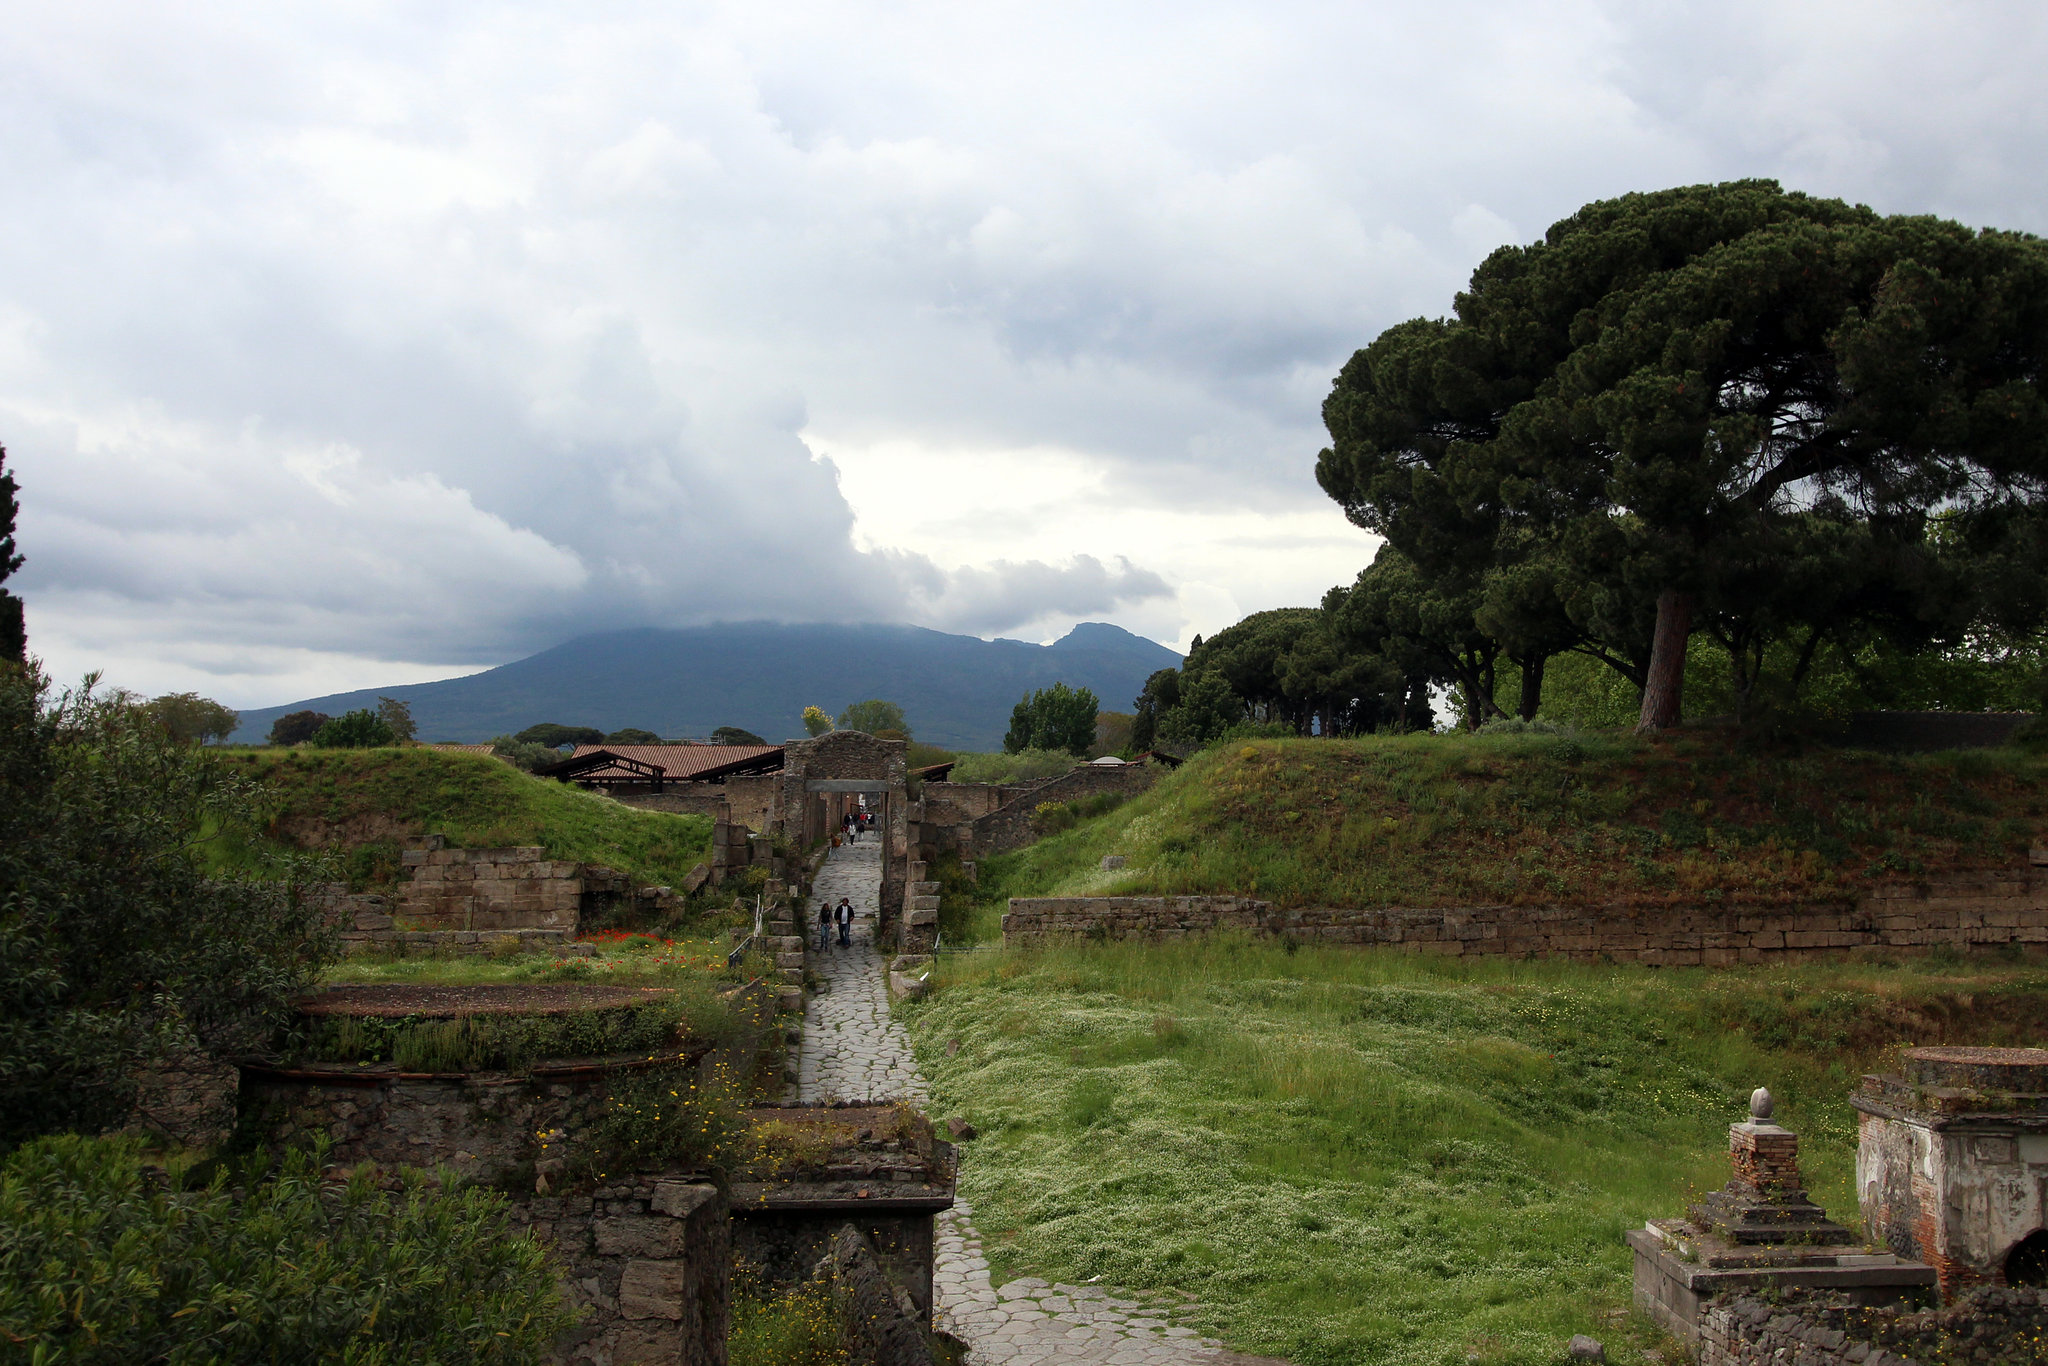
[
  {"x": 841, "y": 915},
  {"x": 854, "y": 822}
]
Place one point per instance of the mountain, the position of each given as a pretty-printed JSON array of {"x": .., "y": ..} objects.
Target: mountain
[{"x": 957, "y": 691}]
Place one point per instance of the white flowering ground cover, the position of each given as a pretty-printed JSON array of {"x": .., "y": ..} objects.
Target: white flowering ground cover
[{"x": 1353, "y": 1156}]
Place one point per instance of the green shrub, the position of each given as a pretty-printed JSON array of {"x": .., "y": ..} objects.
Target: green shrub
[
  {"x": 116, "y": 947},
  {"x": 776, "y": 1326},
  {"x": 99, "y": 1264},
  {"x": 359, "y": 729}
]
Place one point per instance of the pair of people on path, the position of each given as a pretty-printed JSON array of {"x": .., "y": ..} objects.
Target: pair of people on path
[{"x": 843, "y": 914}]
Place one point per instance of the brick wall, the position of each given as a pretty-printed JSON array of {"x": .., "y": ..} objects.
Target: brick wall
[
  {"x": 1009, "y": 826},
  {"x": 1975, "y": 909}
]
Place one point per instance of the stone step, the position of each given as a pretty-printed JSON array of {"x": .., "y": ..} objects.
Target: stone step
[
  {"x": 793, "y": 976},
  {"x": 925, "y": 889},
  {"x": 785, "y": 943},
  {"x": 922, "y": 915},
  {"x": 793, "y": 959},
  {"x": 923, "y": 903}
]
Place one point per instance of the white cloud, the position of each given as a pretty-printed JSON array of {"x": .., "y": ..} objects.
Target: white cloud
[{"x": 406, "y": 338}]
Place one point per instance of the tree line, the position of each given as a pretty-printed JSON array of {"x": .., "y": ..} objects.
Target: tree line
[{"x": 1806, "y": 437}]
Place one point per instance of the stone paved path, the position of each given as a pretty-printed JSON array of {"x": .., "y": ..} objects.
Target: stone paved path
[{"x": 853, "y": 1049}]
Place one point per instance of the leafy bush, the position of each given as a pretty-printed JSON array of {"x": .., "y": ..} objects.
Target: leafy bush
[
  {"x": 780, "y": 1326},
  {"x": 359, "y": 729},
  {"x": 116, "y": 947},
  {"x": 99, "y": 1263},
  {"x": 632, "y": 735},
  {"x": 524, "y": 754}
]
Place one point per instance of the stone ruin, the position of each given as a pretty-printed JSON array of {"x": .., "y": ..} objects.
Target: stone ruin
[
  {"x": 846, "y": 1194},
  {"x": 1760, "y": 1231},
  {"x": 1952, "y": 1163},
  {"x": 1952, "y": 1181}
]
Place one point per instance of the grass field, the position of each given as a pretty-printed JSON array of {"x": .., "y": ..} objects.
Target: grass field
[
  {"x": 359, "y": 804},
  {"x": 1368, "y": 1157},
  {"x": 1432, "y": 820}
]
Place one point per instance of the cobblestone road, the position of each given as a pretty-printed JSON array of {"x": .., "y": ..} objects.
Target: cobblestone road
[{"x": 853, "y": 1049}]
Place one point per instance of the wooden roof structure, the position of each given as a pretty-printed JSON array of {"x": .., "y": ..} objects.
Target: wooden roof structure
[{"x": 655, "y": 766}]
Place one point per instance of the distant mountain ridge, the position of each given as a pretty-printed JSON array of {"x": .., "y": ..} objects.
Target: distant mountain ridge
[{"x": 956, "y": 691}]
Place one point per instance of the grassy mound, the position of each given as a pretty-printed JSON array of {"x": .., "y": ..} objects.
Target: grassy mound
[
  {"x": 364, "y": 803},
  {"x": 1435, "y": 820},
  {"x": 1359, "y": 1156}
]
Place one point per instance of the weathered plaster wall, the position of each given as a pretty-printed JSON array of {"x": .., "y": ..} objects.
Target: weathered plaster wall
[{"x": 1977, "y": 910}]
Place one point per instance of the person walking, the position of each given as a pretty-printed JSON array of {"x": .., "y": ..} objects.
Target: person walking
[
  {"x": 824, "y": 922},
  {"x": 844, "y": 915}
]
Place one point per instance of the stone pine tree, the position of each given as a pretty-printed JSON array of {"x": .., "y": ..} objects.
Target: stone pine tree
[
  {"x": 1666, "y": 377},
  {"x": 13, "y": 627}
]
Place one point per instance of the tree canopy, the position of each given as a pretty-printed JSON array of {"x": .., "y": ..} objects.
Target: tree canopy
[
  {"x": 358, "y": 729},
  {"x": 1684, "y": 410},
  {"x": 297, "y": 727},
  {"x": 555, "y": 736},
  {"x": 874, "y": 716},
  {"x": 632, "y": 735},
  {"x": 1058, "y": 717},
  {"x": 13, "y": 628},
  {"x": 733, "y": 735},
  {"x": 191, "y": 719}
]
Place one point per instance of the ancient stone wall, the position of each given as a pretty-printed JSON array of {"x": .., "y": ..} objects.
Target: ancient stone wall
[
  {"x": 1992, "y": 1325},
  {"x": 490, "y": 889},
  {"x": 1973, "y": 910},
  {"x": 681, "y": 799},
  {"x": 1009, "y": 826},
  {"x": 750, "y": 800},
  {"x": 646, "y": 1265}
]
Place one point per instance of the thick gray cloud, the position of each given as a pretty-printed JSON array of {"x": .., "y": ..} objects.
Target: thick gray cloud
[{"x": 340, "y": 344}]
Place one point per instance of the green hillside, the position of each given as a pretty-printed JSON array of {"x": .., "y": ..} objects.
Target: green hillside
[
  {"x": 361, "y": 805},
  {"x": 1434, "y": 820}
]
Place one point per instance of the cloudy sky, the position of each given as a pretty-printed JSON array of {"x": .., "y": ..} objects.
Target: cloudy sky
[{"x": 367, "y": 343}]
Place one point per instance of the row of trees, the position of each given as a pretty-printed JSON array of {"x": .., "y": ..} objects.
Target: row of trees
[{"x": 1808, "y": 435}]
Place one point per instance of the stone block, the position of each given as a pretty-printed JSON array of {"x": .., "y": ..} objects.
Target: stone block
[
  {"x": 653, "y": 1289},
  {"x": 655, "y": 1238},
  {"x": 373, "y": 920}
]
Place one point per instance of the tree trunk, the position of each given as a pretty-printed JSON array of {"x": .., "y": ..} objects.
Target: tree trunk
[
  {"x": 1664, "y": 688},
  {"x": 1532, "y": 686}
]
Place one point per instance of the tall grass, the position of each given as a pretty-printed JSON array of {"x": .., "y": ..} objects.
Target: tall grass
[{"x": 1366, "y": 1156}]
